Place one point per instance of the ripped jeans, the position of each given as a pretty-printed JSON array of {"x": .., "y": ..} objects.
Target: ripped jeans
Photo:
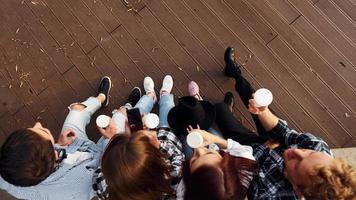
[{"x": 77, "y": 120}]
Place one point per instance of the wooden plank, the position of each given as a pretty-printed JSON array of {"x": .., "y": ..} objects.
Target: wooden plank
[
  {"x": 317, "y": 65},
  {"x": 78, "y": 83},
  {"x": 285, "y": 10},
  {"x": 337, "y": 63},
  {"x": 87, "y": 19},
  {"x": 53, "y": 104},
  {"x": 147, "y": 42},
  {"x": 333, "y": 13},
  {"x": 138, "y": 55},
  {"x": 17, "y": 56},
  {"x": 69, "y": 46},
  {"x": 62, "y": 89},
  {"x": 121, "y": 88},
  {"x": 285, "y": 95},
  {"x": 321, "y": 103},
  {"x": 329, "y": 31},
  {"x": 104, "y": 15},
  {"x": 350, "y": 143},
  {"x": 181, "y": 35},
  {"x": 133, "y": 75},
  {"x": 348, "y": 6},
  {"x": 253, "y": 20},
  {"x": 22, "y": 119},
  {"x": 9, "y": 101},
  {"x": 71, "y": 23},
  {"x": 47, "y": 57}
]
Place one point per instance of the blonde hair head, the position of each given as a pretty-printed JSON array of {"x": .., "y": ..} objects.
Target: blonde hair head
[{"x": 334, "y": 181}]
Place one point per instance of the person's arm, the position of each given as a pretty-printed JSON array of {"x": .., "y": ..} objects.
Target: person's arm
[{"x": 266, "y": 117}]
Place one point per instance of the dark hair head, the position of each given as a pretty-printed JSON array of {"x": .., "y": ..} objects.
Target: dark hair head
[
  {"x": 228, "y": 181},
  {"x": 135, "y": 169},
  {"x": 26, "y": 158}
]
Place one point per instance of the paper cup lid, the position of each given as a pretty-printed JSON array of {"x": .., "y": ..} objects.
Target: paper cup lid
[
  {"x": 151, "y": 120},
  {"x": 102, "y": 121},
  {"x": 263, "y": 97},
  {"x": 194, "y": 140}
]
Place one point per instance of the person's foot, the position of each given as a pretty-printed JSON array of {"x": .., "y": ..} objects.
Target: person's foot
[
  {"x": 193, "y": 90},
  {"x": 167, "y": 85},
  {"x": 104, "y": 89},
  {"x": 148, "y": 85},
  {"x": 229, "y": 100},
  {"x": 232, "y": 69},
  {"x": 134, "y": 97}
]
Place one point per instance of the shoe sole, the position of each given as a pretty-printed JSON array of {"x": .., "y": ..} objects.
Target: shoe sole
[{"x": 107, "y": 96}]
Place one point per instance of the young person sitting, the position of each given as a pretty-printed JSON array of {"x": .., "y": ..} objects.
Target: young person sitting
[
  {"x": 33, "y": 166},
  {"x": 144, "y": 164},
  {"x": 291, "y": 165}
]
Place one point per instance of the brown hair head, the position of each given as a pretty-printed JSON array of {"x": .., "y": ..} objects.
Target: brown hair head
[
  {"x": 335, "y": 181},
  {"x": 135, "y": 169},
  {"x": 26, "y": 158},
  {"x": 229, "y": 180}
]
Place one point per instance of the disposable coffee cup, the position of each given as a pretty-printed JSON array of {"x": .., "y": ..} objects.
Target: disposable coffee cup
[
  {"x": 263, "y": 97},
  {"x": 195, "y": 140},
  {"x": 151, "y": 120},
  {"x": 103, "y": 121}
]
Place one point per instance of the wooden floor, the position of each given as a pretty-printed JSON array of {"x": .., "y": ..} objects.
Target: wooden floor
[{"x": 54, "y": 52}]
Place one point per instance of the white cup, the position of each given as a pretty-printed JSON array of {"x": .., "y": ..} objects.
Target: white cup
[
  {"x": 263, "y": 97},
  {"x": 150, "y": 120},
  {"x": 195, "y": 139},
  {"x": 103, "y": 121}
]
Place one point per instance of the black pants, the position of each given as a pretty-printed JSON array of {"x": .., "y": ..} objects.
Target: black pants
[{"x": 230, "y": 126}]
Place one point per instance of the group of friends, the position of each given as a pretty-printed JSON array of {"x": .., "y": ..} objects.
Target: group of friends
[{"x": 234, "y": 162}]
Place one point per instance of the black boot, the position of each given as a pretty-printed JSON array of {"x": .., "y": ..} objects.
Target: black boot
[
  {"x": 232, "y": 69},
  {"x": 229, "y": 100}
]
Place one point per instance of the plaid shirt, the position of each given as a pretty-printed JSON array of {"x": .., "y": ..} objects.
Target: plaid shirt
[
  {"x": 270, "y": 182},
  {"x": 170, "y": 145}
]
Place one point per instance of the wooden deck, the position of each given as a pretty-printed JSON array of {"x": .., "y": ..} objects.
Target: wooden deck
[{"x": 54, "y": 52}]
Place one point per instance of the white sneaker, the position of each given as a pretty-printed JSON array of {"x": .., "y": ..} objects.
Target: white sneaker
[
  {"x": 167, "y": 84},
  {"x": 148, "y": 85}
]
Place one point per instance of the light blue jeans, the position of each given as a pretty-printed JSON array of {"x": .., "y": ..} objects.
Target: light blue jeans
[
  {"x": 166, "y": 102},
  {"x": 78, "y": 120}
]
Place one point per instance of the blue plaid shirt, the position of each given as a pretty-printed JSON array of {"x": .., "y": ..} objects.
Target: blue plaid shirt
[{"x": 270, "y": 182}]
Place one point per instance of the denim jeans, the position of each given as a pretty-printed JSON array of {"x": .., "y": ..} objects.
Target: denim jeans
[
  {"x": 78, "y": 120},
  {"x": 166, "y": 102},
  {"x": 145, "y": 105}
]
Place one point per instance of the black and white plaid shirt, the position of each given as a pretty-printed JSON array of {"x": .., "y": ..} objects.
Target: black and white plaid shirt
[
  {"x": 270, "y": 182},
  {"x": 170, "y": 145}
]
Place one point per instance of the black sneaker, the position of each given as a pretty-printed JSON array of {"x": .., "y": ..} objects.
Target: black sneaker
[
  {"x": 229, "y": 100},
  {"x": 232, "y": 69},
  {"x": 104, "y": 88},
  {"x": 134, "y": 96}
]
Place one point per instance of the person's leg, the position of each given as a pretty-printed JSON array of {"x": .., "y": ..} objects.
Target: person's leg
[
  {"x": 147, "y": 101},
  {"x": 119, "y": 115},
  {"x": 232, "y": 128},
  {"x": 79, "y": 113},
  {"x": 242, "y": 86},
  {"x": 166, "y": 102},
  {"x": 245, "y": 91}
]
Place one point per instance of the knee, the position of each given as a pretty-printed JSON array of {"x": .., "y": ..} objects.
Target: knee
[{"x": 77, "y": 107}]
